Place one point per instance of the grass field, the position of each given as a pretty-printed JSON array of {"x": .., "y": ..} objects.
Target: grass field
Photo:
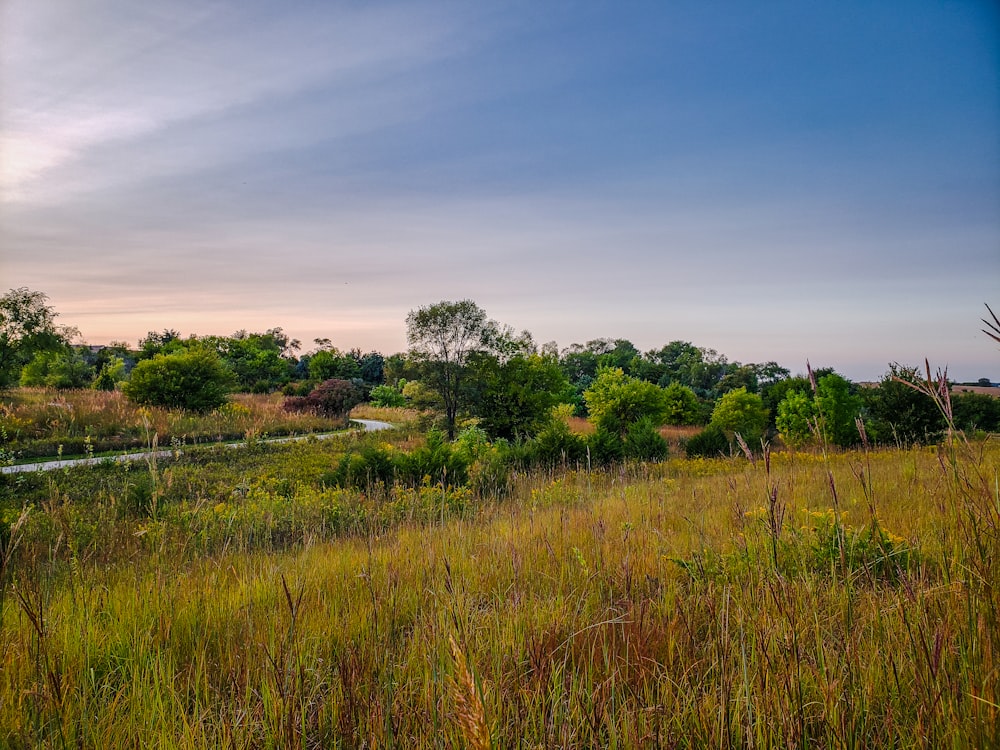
[
  {"x": 238, "y": 600},
  {"x": 40, "y": 422}
]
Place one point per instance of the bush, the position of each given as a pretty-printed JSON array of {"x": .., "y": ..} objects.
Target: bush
[
  {"x": 710, "y": 443},
  {"x": 976, "y": 411},
  {"x": 332, "y": 399},
  {"x": 794, "y": 421},
  {"x": 742, "y": 412},
  {"x": 56, "y": 369},
  {"x": 606, "y": 447},
  {"x": 556, "y": 444},
  {"x": 897, "y": 413},
  {"x": 194, "y": 379},
  {"x": 683, "y": 406},
  {"x": 385, "y": 396},
  {"x": 644, "y": 443}
]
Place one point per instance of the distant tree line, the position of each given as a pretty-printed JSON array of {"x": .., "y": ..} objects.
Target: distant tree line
[{"x": 474, "y": 371}]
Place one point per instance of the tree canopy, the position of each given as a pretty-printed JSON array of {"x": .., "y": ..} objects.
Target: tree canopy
[
  {"x": 27, "y": 327},
  {"x": 442, "y": 338}
]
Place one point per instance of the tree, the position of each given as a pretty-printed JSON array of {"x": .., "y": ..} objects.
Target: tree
[
  {"x": 837, "y": 408},
  {"x": 742, "y": 412},
  {"x": 617, "y": 401},
  {"x": 167, "y": 342},
  {"x": 258, "y": 360},
  {"x": 328, "y": 364},
  {"x": 976, "y": 411},
  {"x": 57, "y": 369},
  {"x": 795, "y": 419},
  {"x": 387, "y": 396},
  {"x": 514, "y": 399},
  {"x": 898, "y": 413},
  {"x": 195, "y": 379},
  {"x": 683, "y": 406},
  {"x": 27, "y": 326},
  {"x": 442, "y": 338},
  {"x": 112, "y": 372}
]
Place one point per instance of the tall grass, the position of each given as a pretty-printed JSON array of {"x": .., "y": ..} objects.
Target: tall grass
[
  {"x": 38, "y": 422},
  {"x": 803, "y": 600}
]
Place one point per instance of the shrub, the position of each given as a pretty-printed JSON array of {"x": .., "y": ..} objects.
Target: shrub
[
  {"x": 683, "y": 406},
  {"x": 976, "y": 411},
  {"x": 194, "y": 379},
  {"x": 742, "y": 412},
  {"x": 616, "y": 401},
  {"x": 836, "y": 409},
  {"x": 644, "y": 443},
  {"x": 710, "y": 443},
  {"x": 56, "y": 369},
  {"x": 385, "y": 396},
  {"x": 555, "y": 444},
  {"x": 796, "y": 413},
  {"x": 606, "y": 447},
  {"x": 898, "y": 413},
  {"x": 332, "y": 399}
]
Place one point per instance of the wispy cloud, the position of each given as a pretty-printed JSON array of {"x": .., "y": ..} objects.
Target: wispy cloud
[{"x": 233, "y": 79}]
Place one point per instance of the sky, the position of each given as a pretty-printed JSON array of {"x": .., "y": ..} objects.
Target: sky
[{"x": 776, "y": 181}]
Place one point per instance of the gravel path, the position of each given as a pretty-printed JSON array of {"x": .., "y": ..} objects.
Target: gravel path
[{"x": 369, "y": 425}]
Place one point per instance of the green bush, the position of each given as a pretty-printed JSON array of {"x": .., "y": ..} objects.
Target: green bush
[
  {"x": 606, "y": 447},
  {"x": 742, "y": 412},
  {"x": 556, "y": 444},
  {"x": 709, "y": 443},
  {"x": 644, "y": 443},
  {"x": 194, "y": 379},
  {"x": 387, "y": 396}
]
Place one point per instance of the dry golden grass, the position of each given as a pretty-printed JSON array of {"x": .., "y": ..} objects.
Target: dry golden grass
[{"x": 640, "y": 607}]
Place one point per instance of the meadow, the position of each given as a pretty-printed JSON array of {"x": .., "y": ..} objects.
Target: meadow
[
  {"x": 241, "y": 599},
  {"x": 43, "y": 422}
]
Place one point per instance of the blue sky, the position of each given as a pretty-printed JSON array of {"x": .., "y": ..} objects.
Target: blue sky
[{"x": 779, "y": 180}]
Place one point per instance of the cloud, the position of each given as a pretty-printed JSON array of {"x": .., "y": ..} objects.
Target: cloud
[{"x": 203, "y": 76}]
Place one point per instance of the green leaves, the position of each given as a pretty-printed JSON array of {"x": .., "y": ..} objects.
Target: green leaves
[
  {"x": 616, "y": 401},
  {"x": 195, "y": 379}
]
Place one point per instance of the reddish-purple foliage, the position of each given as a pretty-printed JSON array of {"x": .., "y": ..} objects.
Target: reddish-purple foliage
[{"x": 332, "y": 398}]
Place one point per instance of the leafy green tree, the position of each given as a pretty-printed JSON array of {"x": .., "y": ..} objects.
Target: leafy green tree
[
  {"x": 387, "y": 396},
  {"x": 27, "y": 326},
  {"x": 837, "y": 408},
  {"x": 740, "y": 411},
  {"x": 796, "y": 417},
  {"x": 442, "y": 338},
  {"x": 616, "y": 401},
  {"x": 110, "y": 375},
  {"x": 258, "y": 360},
  {"x": 976, "y": 411},
  {"x": 328, "y": 364},
  {"x": 683, "y": 406},
  {"x": 514, "y": 399},
  {"x": 62, "y": 369},
  {"x": 167, "y": 342},
  {"x": 195, "y": 379},
  {"x": 774, "y": 393},
  {"x": 897, "y": 413}
]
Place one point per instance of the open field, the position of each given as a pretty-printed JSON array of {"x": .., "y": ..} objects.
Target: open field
[{"x": 240, "y": 600}]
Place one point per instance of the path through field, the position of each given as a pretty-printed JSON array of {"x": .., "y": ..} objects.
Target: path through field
[{"x": 368, "y": 425}]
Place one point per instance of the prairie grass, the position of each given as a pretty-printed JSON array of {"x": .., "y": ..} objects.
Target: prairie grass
[
  {"x": 39, "y": 422},
  {"x": 844, "y": 600}
]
